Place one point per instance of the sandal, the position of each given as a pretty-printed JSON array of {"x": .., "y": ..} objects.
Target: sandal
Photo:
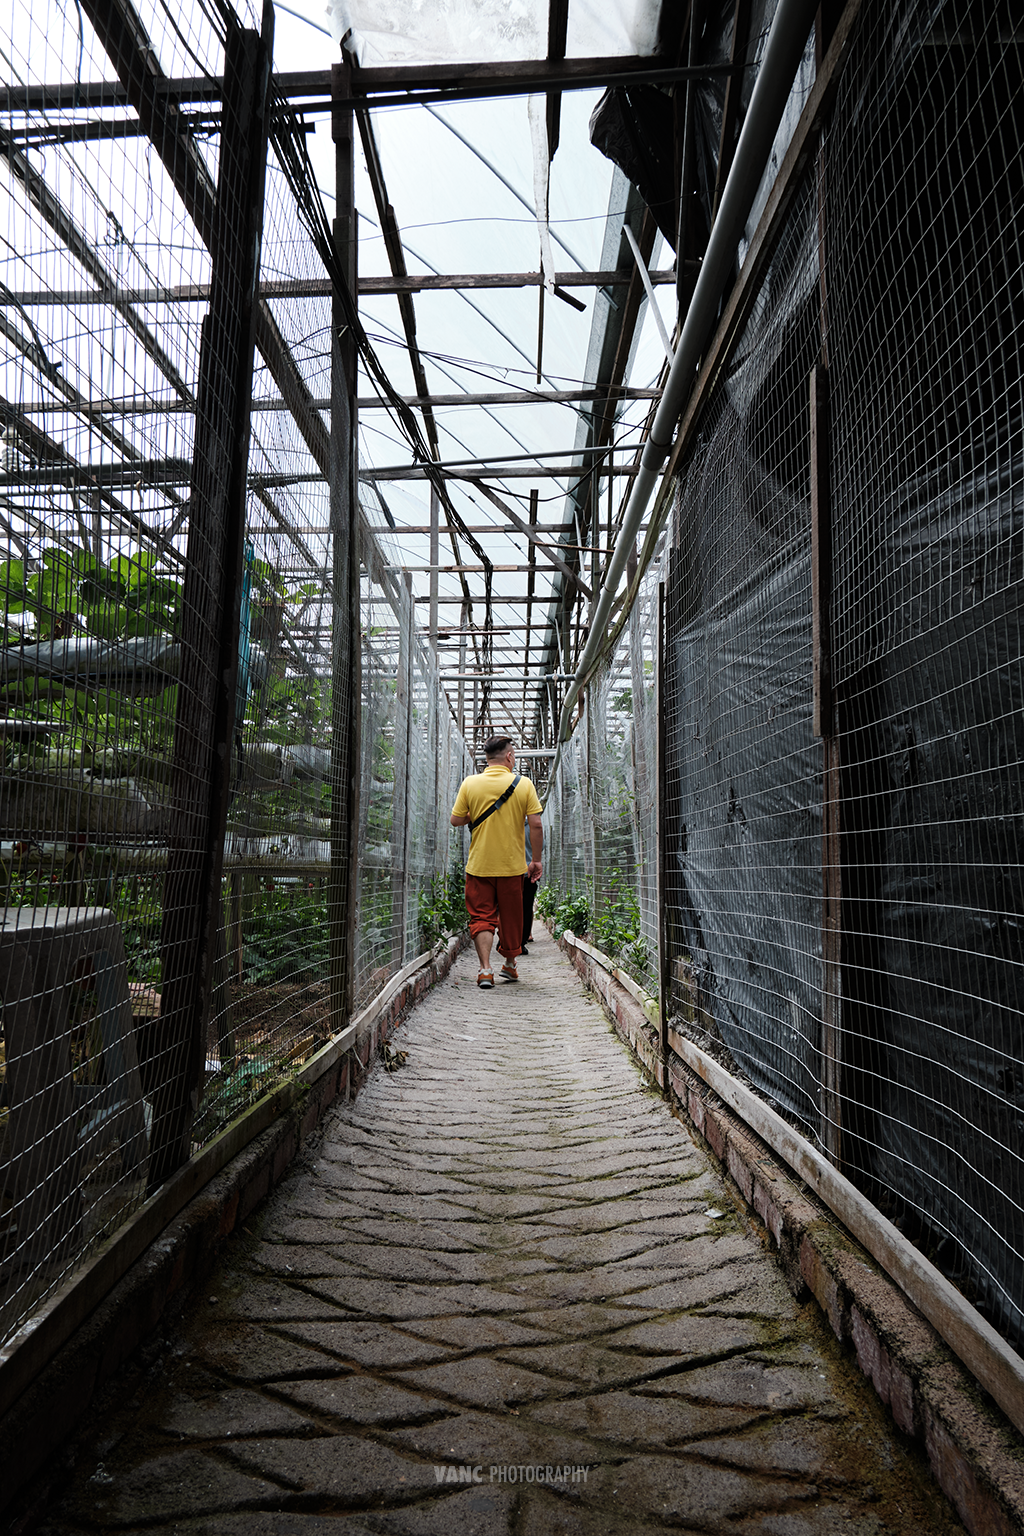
[{"x": 485, "y": 979}]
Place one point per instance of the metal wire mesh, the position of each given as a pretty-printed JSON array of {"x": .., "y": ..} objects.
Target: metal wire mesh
[
  {"x": 899, "y": 266},
  {"x": 115, "y": 487},
  {"x": 601, "y": 810},
  {"x": 925, "y": 321}
]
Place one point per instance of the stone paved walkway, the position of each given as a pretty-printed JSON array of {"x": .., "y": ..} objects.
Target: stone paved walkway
[{"x": 505, "y": 1257}]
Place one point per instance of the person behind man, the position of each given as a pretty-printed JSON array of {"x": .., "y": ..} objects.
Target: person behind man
[
  {"x": 529, "y": 895},
  {"x": 494, "y": 804}
]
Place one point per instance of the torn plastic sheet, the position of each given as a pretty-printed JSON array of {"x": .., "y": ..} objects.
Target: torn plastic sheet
[
  {"x": 541, "y": 186},
  {"x": 452, "y": 31},
  {"x": 748, "y": 773}
]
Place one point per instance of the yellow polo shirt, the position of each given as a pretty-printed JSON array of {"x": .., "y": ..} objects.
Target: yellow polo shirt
[{"x": 498, "y": 845}]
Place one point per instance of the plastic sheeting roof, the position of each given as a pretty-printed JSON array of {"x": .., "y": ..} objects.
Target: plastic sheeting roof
[{"x": 442, "y": 31}]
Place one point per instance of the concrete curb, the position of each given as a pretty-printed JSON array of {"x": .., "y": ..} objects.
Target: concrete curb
[
  {"x": 160, "y": 1283},
  {"x": 975, "y": 1454}
]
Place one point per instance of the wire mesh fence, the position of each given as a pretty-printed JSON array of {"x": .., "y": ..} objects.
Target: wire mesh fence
[
  {"x": 893, "y": 1040},
  {"x": 171, "y": 609},
  {"x": 601, "y": 809}
]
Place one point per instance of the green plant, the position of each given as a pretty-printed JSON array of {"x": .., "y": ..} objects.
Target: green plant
[
  {"x": 573, "y": 912},
  {"x": 286, "y": 938},
  {"x": 618, "y": 926},
  {"x": 442, "y": 906}
]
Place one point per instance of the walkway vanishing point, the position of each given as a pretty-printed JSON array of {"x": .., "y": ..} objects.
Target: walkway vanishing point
[{"x": 504, "y": 1293}]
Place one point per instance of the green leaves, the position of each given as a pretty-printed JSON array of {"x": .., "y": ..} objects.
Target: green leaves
[{"x": 73, "y": 591}]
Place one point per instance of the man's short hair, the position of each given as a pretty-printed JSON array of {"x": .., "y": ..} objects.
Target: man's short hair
[{"x": 497, "y": 746}]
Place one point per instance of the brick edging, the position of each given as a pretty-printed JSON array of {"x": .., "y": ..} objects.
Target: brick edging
[
  {"x": 159, "y": 1285},
  {"x": 975, "y": 1454}
]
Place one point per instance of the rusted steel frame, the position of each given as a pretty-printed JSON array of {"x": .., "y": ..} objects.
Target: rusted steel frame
[
  {"x": 528, "y": 533},
  {"x": 205, "y": 722},
  {"x": 731, "y": 107}
]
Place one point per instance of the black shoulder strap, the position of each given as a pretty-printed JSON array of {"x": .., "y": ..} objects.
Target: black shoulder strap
[{"x": 497, "y": 804}]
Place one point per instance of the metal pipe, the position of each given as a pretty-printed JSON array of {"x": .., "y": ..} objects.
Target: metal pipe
[{"x": 783, "y": 51}]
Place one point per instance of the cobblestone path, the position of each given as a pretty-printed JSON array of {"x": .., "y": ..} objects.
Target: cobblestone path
[{"x": 505, "y": 1262}]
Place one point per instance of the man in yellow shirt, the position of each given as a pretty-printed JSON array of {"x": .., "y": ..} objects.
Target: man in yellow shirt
[{"x": 494, "y": 805}]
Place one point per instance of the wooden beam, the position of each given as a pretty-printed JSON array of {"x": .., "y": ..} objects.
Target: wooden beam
[
  {"x": 314, "y": 85},
  {"x": 525, "y": 529},
  {"x": 320, "y": 287}
]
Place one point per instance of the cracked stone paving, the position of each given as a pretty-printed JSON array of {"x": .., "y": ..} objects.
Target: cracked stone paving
[{"x": 502, "y": 1292}]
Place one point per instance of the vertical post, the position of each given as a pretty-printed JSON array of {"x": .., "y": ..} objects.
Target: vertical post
[
  {"x": 435, "y": 554},
  {"x": 346, "y": 656},
  {"x": 664, "y": 955},
  {"x": 205, "y": 722},
  {"x": 237, "y": 961},
  {"x": 463, "y": 624},
  {"x": 400, "y": 812},
  {"x": 824, "y": 727}
]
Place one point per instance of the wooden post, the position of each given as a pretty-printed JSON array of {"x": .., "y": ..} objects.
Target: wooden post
[
  {"x": 204, "y": 727},
  {"x": 463, "y": 623},
  {"x": 346, "y": 656},
  {"x": 400, "y": 808}
]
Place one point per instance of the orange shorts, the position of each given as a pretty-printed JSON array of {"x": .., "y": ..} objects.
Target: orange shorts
[{"x": 495, "y": 905}]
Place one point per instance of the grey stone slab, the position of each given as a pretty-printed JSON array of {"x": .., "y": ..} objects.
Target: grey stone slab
[
  {"x": 477, "y": 1333},
  {"x": 256, "y": 1522},
  {"x": 369, "y": 1345},
  {"x": 228, "y": 1414},
  {"x": 700, "y": 1337},
  {"x": 582, "y": 1320},
  {"x": 251, "y": 1354},
  {"x": 484, "y": 1510},
  {"x": 678, "y": 1491},
  {"x": 498, "y": 1441},
  {"x": 347, "y": 1468},
  {"x": 628, "y": 1419},
  {"x": 297, "y": 1260},
  {"x": 268, "y": 1301},
  {"x": 752, "y": 1384},
  {"x": 363, "y": 1400},
  {"x": 490, "y": 1202},
  {"x": 588, "y": 1365},
  {"x": 399, "y": 1263},
  {"x": 183, "y": 1483},
  {"x": 482, "y": 1382},
  {"x": 386, "y": 1299},
  {"x": 545, "y": 1513},
  {"x": 431, "y": 1236}
]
